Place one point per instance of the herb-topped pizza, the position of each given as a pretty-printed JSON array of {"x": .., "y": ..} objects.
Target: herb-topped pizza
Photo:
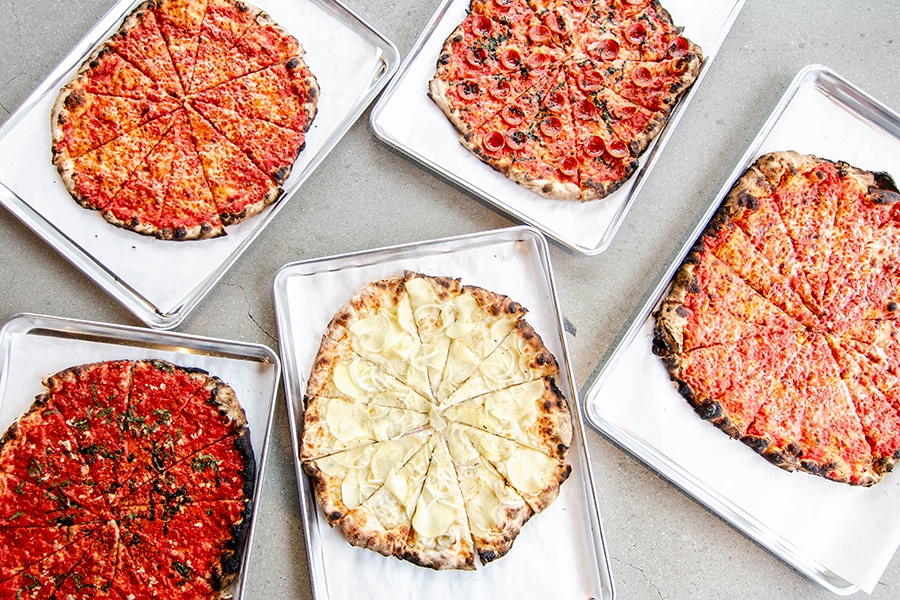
[
  {"x": 563, "y": 96},
  {"x": 781, "y": 326},
  {"x": 187, "y": 120},
  {"x": 433, "y": 427},
  {"x": 125, "y": 479}
]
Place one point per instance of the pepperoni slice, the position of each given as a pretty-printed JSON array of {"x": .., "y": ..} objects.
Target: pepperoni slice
[
  {"x": 555, "y": 102},
  {"x": 590, "y": 81},
  {"x": 539, "y": 34},
  {"x": 493, "y": 142},
  {"x": 512, "y": 115},
  {"x": 608, "y": 50},
  {"x": 617, "y": 149},
  {"x": 551, "y": 126},
  {"x": 636, "y": 32},
  {"x": 516, "y": 140},
  {"x": 501, "y": 89},
  {"x": 679, "y": 47},
  {"x": 469, "y": 90},
  {"x": 481, "y": 26},
  {"x": 642, "y": 77},
  {"x": 538, "y": 60},
  {"x": 568, "y": 166},
  {"x": 510, "y": 58},
  {"x": 476, "y": 56},
  {"x": 503, "y": 5},
  {"x": 624, "y": 111},
  {"x": 556, "y": 23},
  {"x": 581, "y": 3},
  {"x": 593, "y": 146},
  {"x": 585, "y": 110}
]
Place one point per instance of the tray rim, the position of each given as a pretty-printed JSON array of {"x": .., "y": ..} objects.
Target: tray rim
[
  {"x": 640, "y": 176},
  {"x": 114, "y": 334},
  {"x": 293, "y": 395},
  {"x": 96, "y": 271},
  {"x": 848, "y": 93}
]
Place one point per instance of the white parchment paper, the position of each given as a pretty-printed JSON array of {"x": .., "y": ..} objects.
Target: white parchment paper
[
  {"x": 29, "y": 357},
  {"x": 851, "y": 531},
  {"x": 554, "y": 557},
  {"x": 169, "y": 274},
  {"x": 412, "y": 121}
]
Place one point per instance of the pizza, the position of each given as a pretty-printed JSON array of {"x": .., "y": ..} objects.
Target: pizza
[
  {"x": 563, "y": 96},
  {"x": 186, "y": 120},
  {"x": 781, "y": 326},
  {"x": 433, "y": 428},
  {"x": 126, "y": 479}
]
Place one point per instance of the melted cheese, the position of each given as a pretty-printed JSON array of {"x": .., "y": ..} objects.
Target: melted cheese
[{"x": 364, "y": 382}]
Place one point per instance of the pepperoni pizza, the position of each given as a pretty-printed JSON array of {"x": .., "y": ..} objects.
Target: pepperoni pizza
[
  {"x": 125, "y": 479},
  {"x": 563, "y": 96},
  {"x": 187, "y": 120}
]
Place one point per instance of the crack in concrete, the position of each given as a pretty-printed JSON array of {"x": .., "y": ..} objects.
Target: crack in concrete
[
  {"x": 644, "y": 575},
  {"x": 250, "y": 315}
]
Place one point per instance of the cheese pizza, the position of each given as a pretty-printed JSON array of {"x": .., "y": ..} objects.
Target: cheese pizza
[
  {"x": 126, "y": 479},
  {"x": 781, "y": 324},
  {"x": 187, "y": 120},
  {"x": 433, "y": 427}
]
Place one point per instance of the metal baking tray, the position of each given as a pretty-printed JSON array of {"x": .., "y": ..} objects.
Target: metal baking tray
[
  {"x": 511, "y": 261},
  {"x": 406, "y": 119},
  {"x": 631, "y": 400},
  {"x": 161, "y": 282},
  {"x": 34, "y": 346}
]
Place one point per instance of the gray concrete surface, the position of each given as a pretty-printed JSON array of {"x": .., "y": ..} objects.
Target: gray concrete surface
[{"x": 662, "y": 544}]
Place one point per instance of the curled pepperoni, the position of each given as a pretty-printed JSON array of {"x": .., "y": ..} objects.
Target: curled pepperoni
[
  {"x": 679, "y": 47},
  {"x": 585, "y": 110},
  {"x": 503, "y": 5},
  {"x": 476, "y": 56},
  {"x": 501, "y": 89},
  {"x": 481, "y": 26},
  {"x": 608, "y": 50},
  {"x": 581, "y": 3},
  {"x": 539, "y": 34},
  {"x": 636, "y": 32},
  {"x": 642, "y": 77},
  {"x": 593, "y": 146},
  {"x": 512, "y": 115},
  {"x": 635, "y": 2},
  {"x": 516, "y": 140},
  {"x": 469, "y": 90},
  {"x": 555, "y": 101},
  {"x": 624, "y": 111},
  {"x": 568, "y": 166},
  {"x": 538, "y": 60},
  {"x": 617, "y": 149},
  {"x": 493, "y": 142},
  {"x": 590, "y": 81},
  {"x": 551, "y": 126},
  {"x": 556, "y": 23},
  {"x": 510, "y": 58}
]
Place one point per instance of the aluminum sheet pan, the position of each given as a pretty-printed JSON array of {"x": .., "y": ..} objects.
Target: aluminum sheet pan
[
  {"x": 161, "y": 282},
  {"x": 34, "y": 346},
  {"x": 408, "y": 120},
  {"x": 511, "y": 261},
  {"x": 631, "y": 400}
]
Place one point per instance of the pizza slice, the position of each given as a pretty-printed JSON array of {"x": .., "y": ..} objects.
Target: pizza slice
[
  {"x": 180, "y": 22},
  {"x": 142, "y": 567},
  {"x": 93, "y": 400},
  {"x": 24, "y": 546},
  {"x": 82, "y": 121},
  {"x": 534, "y": 475},
  {"x": 479, "y": 46},
  {"x": 521, "y": 357},
  {"x": 533, "y": 414},
  {"x": 564, "y": 19},
  {"x": 93, "y": 573},
  {"x": 334, "y": 424},
  {"x": 39, "y": 580},
  {"x": 224, "y": 22},
  {"x": 647, "y": 35},
  {"x": 239, "y": 188},
  {"x": 96, "y": 176},
  {"x": 484, "y": 319},
  {"x": 263, "y": 44},
  {"x": 439, "y": 536},
  {"x": 271, "y": 148},
  {"x": 285, "y": 94},
  {"x": 496, "y": 512},
  {"x": 106, "y": 73},
  {"x": 344, "y": 480},
  {"x": 382, "y": 522},
  {"x": 338, "y": 372},
  {"x": 140, "y": 42},
  {"x": 377, "y": 323}
]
